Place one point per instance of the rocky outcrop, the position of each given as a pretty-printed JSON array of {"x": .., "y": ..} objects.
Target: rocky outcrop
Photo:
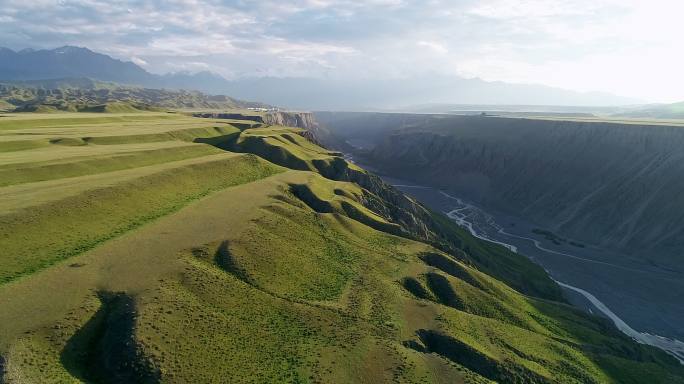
[
  {"x": 291, "y": 119},
  {"x": 288, "y": 119},
  {"x": 306, "y": 120}
]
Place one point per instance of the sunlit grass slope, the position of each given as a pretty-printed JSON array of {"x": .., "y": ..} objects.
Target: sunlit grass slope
[{"x": 260, "y": 257}]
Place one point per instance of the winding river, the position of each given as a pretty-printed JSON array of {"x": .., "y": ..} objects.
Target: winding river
[{"x": 484, "y": 226}]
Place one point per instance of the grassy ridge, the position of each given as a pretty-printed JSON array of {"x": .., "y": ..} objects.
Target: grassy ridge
[
  {"x": 65, "y": 120},
  {"x": 78, "y": 223},
  {"x": 248, "y": 271},
  {"x": 286, "y": 147},
  {"x": 81, "y": 220},
  {"x": 40, "y": 171}
]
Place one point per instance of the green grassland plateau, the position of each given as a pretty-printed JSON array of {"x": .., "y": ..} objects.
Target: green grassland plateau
[{"x": 157, "y": 248}]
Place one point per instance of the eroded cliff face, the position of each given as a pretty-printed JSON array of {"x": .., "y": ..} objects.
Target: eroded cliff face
[
  {"x": 306, "y": 120},
  {"x": 607, "y": 184},
  {"x": 289, "y": 119},
  {"x": 615, "y": 185}
]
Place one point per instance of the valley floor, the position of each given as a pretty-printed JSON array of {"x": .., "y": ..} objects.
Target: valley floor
[{"x": 653, "y": 306}]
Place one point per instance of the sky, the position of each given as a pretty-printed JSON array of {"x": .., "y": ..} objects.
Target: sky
[{"x": 626, "y": 47}]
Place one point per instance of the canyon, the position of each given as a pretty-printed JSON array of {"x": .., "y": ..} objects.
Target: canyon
[{"x": 605, "y": 196}]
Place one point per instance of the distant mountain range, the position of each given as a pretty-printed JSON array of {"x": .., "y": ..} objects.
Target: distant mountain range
[
  {"x": 67, "y": 62},
  {"x": 75, "y": 62},
  {"x": 305, "y": 93}
]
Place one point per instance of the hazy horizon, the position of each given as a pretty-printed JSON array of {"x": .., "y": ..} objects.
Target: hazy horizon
[{"x": 618, "y": 47}]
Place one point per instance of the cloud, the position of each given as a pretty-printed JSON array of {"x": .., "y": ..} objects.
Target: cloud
[
  {"x": 139, "y": 61},
  {"x": 190, "y": 66},
  {"x": 618, "y": 46},
  {"x": 434, "y": 46}
]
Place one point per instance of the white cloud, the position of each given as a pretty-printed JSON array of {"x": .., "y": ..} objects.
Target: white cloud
[
  {"x": 139, "y": 61},
  {"x": 434, "y": 46},
  {"x": 190, "y": 66},
  {"x": 280, "y": 46},
  {"x": 507, "y": 9},
  {"x": 629, "y": 47}
]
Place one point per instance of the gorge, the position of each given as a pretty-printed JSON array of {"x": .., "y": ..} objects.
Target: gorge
[{"x": 605, "y": 196}]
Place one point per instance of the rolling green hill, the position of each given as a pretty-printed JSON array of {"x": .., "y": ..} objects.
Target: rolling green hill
[{"x": 156, "y": 247}]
